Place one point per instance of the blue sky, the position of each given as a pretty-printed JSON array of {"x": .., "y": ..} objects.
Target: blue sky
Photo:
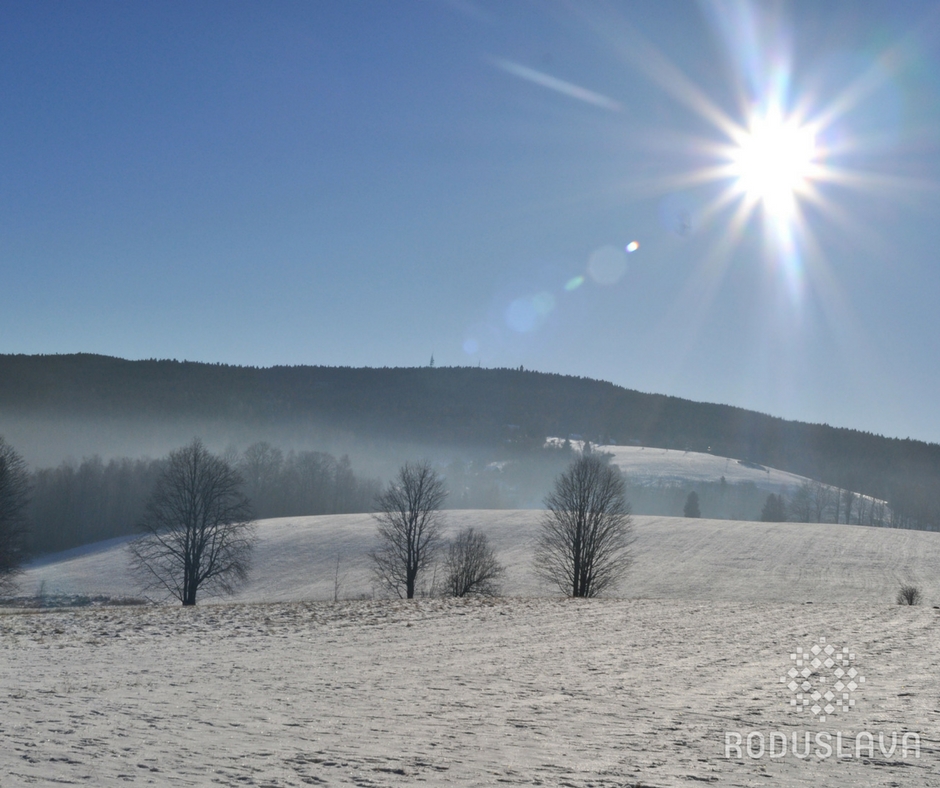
[{"x": 368, "y": 183}]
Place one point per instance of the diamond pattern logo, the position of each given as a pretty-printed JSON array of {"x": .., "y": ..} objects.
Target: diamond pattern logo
[{"x": 822, "y": 679}]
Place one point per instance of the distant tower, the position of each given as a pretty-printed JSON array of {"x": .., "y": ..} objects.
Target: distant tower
[{"x": 432, "y": 361}]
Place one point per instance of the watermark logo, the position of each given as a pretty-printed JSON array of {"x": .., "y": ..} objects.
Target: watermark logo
[{"x": 822, "y": 679}]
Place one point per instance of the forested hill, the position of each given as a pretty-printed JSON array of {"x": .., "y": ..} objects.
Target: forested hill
[{"x": 454, "y": 406}]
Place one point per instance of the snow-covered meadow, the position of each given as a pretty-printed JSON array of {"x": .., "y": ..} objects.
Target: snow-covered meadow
[
  {"x": 319, "y": 558},
  {"x": 650, "y": 465},
  {"x": 284, "y": 687}
]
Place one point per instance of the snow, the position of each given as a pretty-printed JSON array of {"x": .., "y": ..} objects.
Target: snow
[
  {"x": 521, "y": 690},
  {"x": 596, "y": 693},
  {"x": 645, "y": 465},
  {"x": 78, "y": 552},
  {"x": 296, "y": 559}
]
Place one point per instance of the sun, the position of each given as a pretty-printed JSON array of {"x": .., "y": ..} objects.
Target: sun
[{"x": 773, "y": 162}]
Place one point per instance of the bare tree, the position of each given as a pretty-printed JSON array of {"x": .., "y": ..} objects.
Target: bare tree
[
  {"x": 848, "y": 498},
  {"x": 409, "y": 526},
  {"x": 198, "y": 529},
  {"x": 14, "y": 498},
  {"x": 471, "y": 566},
  {"x": 865, "y": 505},
  {"x": 584, "y": 543},
  {"x": 339, "y": 579},
  {"x": 821, "y": 500},
  {"x": 260, "y": 467},
  {"x": 800, "y": 503}
]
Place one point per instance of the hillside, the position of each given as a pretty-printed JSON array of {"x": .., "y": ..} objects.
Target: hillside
[
  {"x": 603, "y": 693},
  {"x": 695, "y": 560},
  {"x": 78, "y": 405},
  {"x": 669, "y": 466},
  {"x": 82, "y": 503}
]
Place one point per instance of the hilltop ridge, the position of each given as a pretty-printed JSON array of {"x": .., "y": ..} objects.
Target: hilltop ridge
[{"x": 141, "y": 403}]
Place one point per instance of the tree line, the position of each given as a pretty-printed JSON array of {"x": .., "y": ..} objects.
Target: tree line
[
  {"x": 808, "y": 502},
  {"x": 14, "y": 498},
  {"x": 299, "y": 483},
  {"x": 79, "y": 503},
  {"x": 464, "y": 407},
  {"x": 197, "y": 530}
]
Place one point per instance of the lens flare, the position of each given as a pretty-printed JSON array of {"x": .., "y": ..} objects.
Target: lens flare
[
  {"x": 527, "y": 313},
  {"x": 767, "y": 162},
  {"x": 607, "y": 265},
  {"x": 559, "y": 85},
  {"x": 543, "y": 303}
]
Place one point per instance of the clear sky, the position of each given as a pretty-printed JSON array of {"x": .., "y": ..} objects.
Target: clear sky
[{"x": 728, "y": 202}]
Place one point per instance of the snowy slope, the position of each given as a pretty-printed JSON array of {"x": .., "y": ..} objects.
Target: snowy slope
[
  {"x": 296, "y": 559},
  {"x": 514, "y": 691},
  {"x": 646, "y": 465},
  {"x": 391, "y": 694}
]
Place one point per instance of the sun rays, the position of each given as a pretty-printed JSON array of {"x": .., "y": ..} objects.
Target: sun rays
[
  {"x": 773, "y": 158},
  {"x": 765, "y": 169},
  {"x": 766, "y": 162}
]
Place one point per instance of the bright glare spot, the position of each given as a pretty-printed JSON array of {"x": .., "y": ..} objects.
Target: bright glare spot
[
  {"x": 471, "y": 346},
  {"x": 774, "y": 161},
  {"x": 633, "y": 246},
  {"x": 574, "y": 283}
]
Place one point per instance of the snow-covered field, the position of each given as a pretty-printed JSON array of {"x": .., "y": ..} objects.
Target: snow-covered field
[
  {"x": 296, "y": 559},
  {"x": 526, "y": 690},
  {"x": 515, "y": 691},
  {"x": 646, "y": 465}
]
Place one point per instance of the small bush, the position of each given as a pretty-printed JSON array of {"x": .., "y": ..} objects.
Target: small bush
[
  {"x": 471, "y": 567},
  {"x": 909, "y": 595}
]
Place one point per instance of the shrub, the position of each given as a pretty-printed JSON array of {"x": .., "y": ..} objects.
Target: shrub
[{"x": 909, "y": 595}]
